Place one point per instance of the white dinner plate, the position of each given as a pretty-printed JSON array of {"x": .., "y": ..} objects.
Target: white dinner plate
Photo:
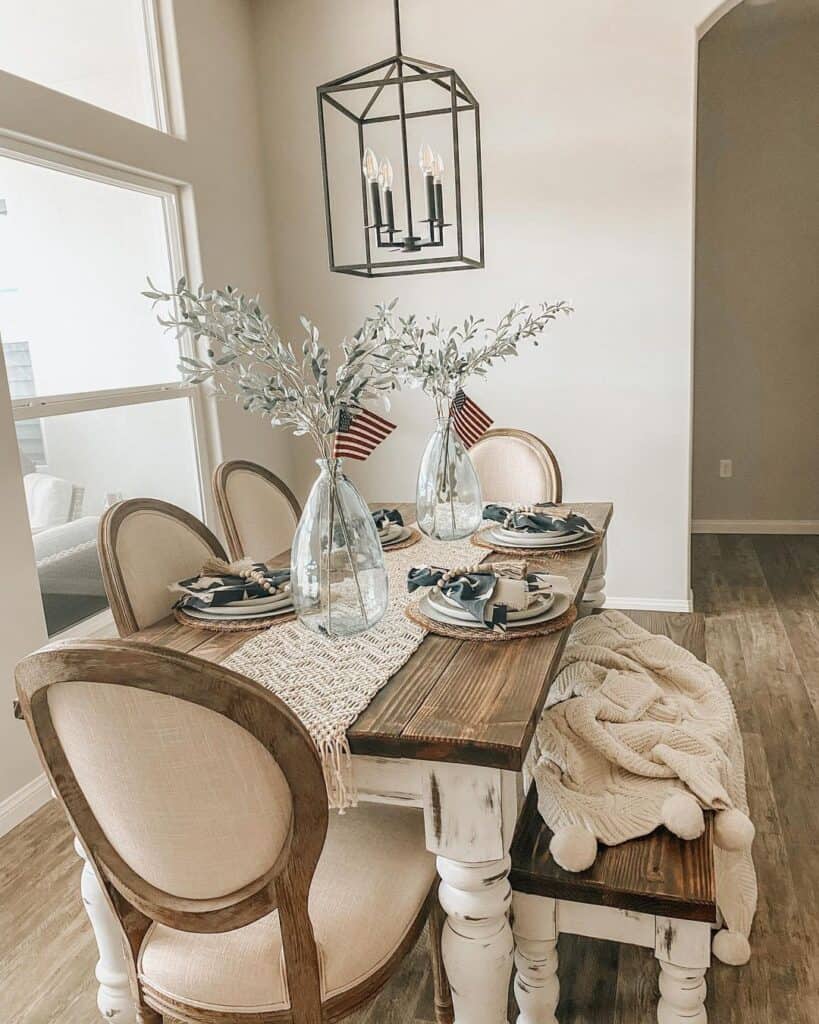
[
  {"x": 260, "y": 603},
  {"x": 390, "y": 532},
  {"x": 401, "y": 535},
  {"x": 533, "y": 540},
  {"x": 562, "y": 603},
  {"x": 506, "y": 531},
  {"x": 195, "y": 613},
  {"x": 541, "y": 604}
]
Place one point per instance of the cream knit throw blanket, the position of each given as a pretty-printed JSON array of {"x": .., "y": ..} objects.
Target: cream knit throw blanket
[{"x": 638, "y": 733}]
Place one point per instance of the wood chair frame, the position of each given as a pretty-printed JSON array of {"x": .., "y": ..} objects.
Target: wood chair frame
[
  {"x": 221, "y": 476},
  {"x": 135, "y": 903},
  {"x": 543, "y": 451},
  {"x": 112, "y": 575}
]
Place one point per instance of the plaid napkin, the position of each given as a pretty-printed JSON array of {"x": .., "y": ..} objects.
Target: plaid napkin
[
  {"x": 487, "y": 591},
  {"x": 536, "y": 519},
  {"x": 383, "y": 517},
  {"x": 212, "y": 590}
]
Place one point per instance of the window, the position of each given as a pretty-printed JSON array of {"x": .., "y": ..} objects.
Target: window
[
  {"x": 99, "y": 412},
  {"x": 102, "y": 51}
]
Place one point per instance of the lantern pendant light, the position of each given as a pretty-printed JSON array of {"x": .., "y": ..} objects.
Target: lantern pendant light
[{"x": 418, "y": 218}]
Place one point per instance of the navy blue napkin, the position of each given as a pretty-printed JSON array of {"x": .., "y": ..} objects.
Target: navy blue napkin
[
  {"x": 536, "y": 519},
  {"x": 383, "y": 516},
  {"x": 212, "y": 591}
]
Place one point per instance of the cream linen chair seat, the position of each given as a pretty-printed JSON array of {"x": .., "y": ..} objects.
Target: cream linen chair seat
[
  {"x": 516, "y": 467},
  {"x": 200, "y": 802},
  {"x": 145, "y": 546},
  {"x": 370, "y": 886},
  {"x": 259, "y": 512}
]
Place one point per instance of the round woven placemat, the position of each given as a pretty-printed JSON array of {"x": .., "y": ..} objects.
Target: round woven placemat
[
  {"x": 231, "y": 625},
  {"x": 408, "y": 542},
  {"x": 414, "y": 614},
  {"x": 533, "y": 554}
]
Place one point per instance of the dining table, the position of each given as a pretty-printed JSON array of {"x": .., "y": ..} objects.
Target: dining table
[{"x": 451, "y": 733}]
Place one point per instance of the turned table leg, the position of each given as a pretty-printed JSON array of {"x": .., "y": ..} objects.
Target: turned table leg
[
  {"x": 469, "y": 816},
  {"x": 594, "y": 596},
  {"x": 684, "y": 951},
  {"x": 537, "y": 989},
  {"x": 477, "y": 939},
  {"x": 114, "y": 997}
]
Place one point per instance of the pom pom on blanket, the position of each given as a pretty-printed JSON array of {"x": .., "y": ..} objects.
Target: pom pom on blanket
[
  {"x": 573, "y": 848},
  {"x": 733, "y": 830},
  {"x": 683, "y": 816},
  {"x": 731, "y": 948}
]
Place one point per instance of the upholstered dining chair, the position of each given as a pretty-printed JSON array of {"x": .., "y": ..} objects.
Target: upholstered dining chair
[
  {"x": 516, "y": 467},
  {"x": 200, "y": 801},
  {"x": 259, "y": 512},
  {"x": 145, "y": 546}
]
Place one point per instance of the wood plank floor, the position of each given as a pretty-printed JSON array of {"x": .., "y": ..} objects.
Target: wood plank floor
[{"x": 760, "y": 596}]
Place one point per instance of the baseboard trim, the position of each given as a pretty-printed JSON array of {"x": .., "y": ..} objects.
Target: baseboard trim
[
  {"x": 23, "y": 803},
  {"x": 650, "y": 604},
  {"x": 793, "y": 526}
]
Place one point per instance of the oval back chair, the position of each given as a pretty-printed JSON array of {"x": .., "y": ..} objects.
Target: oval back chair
[
  {"x": 145, "y": 546},
  {"x": 259, "y": 512},
  {"x": 517, "y": 468},
  {"x": 200, "y": 801}
]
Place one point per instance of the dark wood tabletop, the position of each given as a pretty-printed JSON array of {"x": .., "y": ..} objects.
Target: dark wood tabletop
[{"x": 470, "y": 703}]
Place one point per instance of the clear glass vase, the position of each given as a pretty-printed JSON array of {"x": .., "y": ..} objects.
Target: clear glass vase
[
  {"x": 337, "y": 575},
  {"x": 448, "y": 502}
]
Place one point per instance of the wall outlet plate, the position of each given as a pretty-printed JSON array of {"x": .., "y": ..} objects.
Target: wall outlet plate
[{"x": 726, "y": 468}]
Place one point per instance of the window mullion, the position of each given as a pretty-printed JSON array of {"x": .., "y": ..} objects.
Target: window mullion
[{"x": 43, "y": 406}]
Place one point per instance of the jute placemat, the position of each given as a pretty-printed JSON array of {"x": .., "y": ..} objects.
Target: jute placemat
[
  {"x": 232, "y": 625},
  {"x": 414, "y": 614},
  {"x": 533, "y": 554},
  {"x": 408, "y": 542}
]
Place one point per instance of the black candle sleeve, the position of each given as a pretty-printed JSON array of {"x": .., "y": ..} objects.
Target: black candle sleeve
[
  {"x": 439, "y": 203},
  {"x": 430, "y": 197},
  {"x": 375, "y": 199},
  {"x": 390, "y": 210}
]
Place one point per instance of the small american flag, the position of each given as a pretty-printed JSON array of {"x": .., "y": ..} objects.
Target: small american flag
[
  {"x": 469, "y": 420},
  {"x": 359, "y": 433}
]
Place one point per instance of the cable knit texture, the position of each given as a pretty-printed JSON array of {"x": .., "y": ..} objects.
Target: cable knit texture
[{"x": 632, "y": 720}]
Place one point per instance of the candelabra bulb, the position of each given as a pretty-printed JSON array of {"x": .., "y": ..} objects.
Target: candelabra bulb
[
  {"x": 426, "y": 158},
  {"x": 369, "y": 165}
]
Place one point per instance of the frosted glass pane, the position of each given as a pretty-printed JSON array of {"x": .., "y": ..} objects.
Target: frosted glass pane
[
  {"x": 88, "y": 460},
  {"x": 94, "y": 50},
  {"x": 74, "y": 255}
]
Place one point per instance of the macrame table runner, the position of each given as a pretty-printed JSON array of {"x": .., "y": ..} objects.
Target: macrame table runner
[{"x": 329, "y": 682}]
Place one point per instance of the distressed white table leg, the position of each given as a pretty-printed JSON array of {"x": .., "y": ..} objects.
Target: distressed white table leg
[
  {"x": 684, "y": 951},
  {"x": 114, "y": 997},
  {"x": 469, "y": 815},
  {"x": 594, "y": 596},
  {"x": 537, "y": 989}
]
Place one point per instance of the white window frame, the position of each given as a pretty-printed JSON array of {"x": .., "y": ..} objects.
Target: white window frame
[{"x": 44, "y": 406}]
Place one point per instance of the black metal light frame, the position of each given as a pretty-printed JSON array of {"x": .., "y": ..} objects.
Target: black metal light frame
[{"x": 400, "y": 72}]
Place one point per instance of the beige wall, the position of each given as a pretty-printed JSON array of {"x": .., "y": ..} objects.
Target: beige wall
[
  {"x": 756, "y": 398},
  {"x": 588, "y": 131},
  {"x": 225, "y": 208}
]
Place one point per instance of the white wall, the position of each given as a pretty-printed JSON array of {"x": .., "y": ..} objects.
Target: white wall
[
  {"x": 220, "y": 160},
  {"x": 588, "y": 146},
  {"x": 756, "y": 393}
]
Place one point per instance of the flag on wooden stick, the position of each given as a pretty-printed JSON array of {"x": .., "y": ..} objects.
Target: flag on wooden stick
[
  {"x": 468, "y": 419},
  {"x": 359, "y": 433}
]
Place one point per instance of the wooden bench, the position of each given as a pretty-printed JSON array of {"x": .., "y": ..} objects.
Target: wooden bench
[{"x": 658, "y": 892}]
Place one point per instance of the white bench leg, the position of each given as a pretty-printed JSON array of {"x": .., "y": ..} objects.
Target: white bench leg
[
  {"x": 684, "y": 951},
  {"x": 537, "y": 989}
]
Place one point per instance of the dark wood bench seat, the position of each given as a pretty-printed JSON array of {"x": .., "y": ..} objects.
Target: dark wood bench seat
[{"x": 659, "y": 874}]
